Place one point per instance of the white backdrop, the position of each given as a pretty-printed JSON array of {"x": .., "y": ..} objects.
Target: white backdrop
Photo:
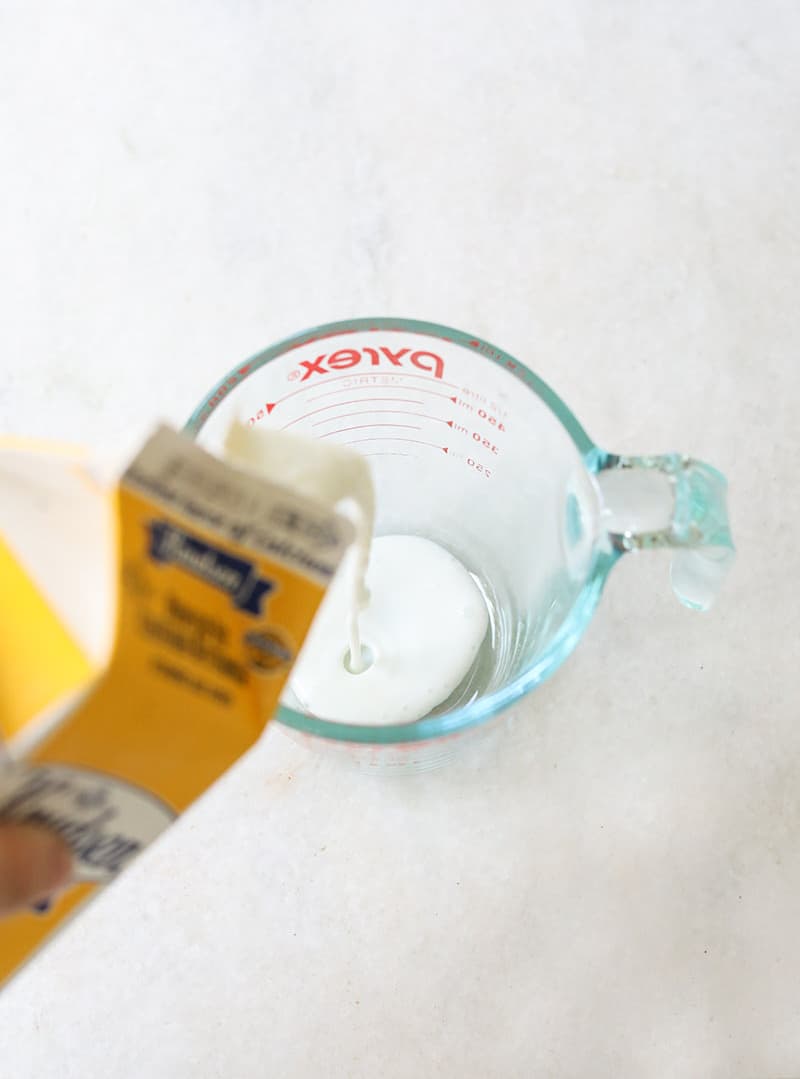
[{"x": 608, "y": 190}]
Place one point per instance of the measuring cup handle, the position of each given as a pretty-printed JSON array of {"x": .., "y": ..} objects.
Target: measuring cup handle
[{"x": 671, "y": 501}]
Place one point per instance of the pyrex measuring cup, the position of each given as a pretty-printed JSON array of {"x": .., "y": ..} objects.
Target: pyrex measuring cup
[{"x": 470, "y": 449}]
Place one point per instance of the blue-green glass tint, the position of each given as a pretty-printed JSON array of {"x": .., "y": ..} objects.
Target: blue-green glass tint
[
  {"x": 472, "y": 449},
  {"x": 695, "y": 524}
]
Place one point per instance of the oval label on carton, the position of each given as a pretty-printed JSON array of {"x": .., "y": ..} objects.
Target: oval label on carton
[{"x": 105, "y": 821}]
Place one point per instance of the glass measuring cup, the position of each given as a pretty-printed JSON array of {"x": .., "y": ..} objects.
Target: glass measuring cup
[{"x": 469, "y": 448}]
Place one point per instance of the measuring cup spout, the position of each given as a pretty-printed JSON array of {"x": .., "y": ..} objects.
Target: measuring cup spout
[{"x": 670, "y": 501}]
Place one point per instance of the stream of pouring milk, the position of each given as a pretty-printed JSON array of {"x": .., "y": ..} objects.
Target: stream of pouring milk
[{"x": 403, "y": 620}]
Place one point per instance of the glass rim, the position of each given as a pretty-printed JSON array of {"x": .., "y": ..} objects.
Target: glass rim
[{"x": 484, "y": 708}]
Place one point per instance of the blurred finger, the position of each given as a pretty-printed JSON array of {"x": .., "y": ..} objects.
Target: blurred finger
[{"x": 34, "y": 863}]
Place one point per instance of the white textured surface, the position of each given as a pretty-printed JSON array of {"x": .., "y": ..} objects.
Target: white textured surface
[{"x": 611, "y": 191}]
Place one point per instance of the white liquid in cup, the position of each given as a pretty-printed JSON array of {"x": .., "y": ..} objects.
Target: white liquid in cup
[
  {"x": 421, "y": 631},
  {"x": 403, "y": 621}
]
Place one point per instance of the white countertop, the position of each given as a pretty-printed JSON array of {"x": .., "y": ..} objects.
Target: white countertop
[{"x": 609, "y": 191}]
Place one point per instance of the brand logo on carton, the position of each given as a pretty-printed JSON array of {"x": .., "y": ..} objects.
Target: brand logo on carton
[
  {"x": 105, "y": 821},
  {"x": 237, "y": 577},
  {"x": 383, "y": 357}
]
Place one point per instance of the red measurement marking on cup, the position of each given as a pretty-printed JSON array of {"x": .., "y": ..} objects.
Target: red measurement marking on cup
[
  {"x": 481, "y": 409},
  {"x": 486, "y": 350},
  {"x": 485, "y": 442},
  {"x": 268, "y": 406},
  {"x": 380, "y": 412},
  {"x": 493, "y": 421},
  {"x": 382, "y": 386},
  {"x": 366, "y": 426},
  {"x": 399, "y": 438},
  {"x": 476, "y": 436},
  {"x": 476, "y": 466},
  {"x": 482, "y": 399},
  {"x": 481, "y": 413},
  {"x": 385, "y": 373},
  {"x": 344, "y": 404},
  {"x": 386, "y": 453}
]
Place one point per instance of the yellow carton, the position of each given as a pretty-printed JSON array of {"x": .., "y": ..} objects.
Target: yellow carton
[
  {"x": 30, "y": 631},
  {"x": 219, "y": 577}
]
